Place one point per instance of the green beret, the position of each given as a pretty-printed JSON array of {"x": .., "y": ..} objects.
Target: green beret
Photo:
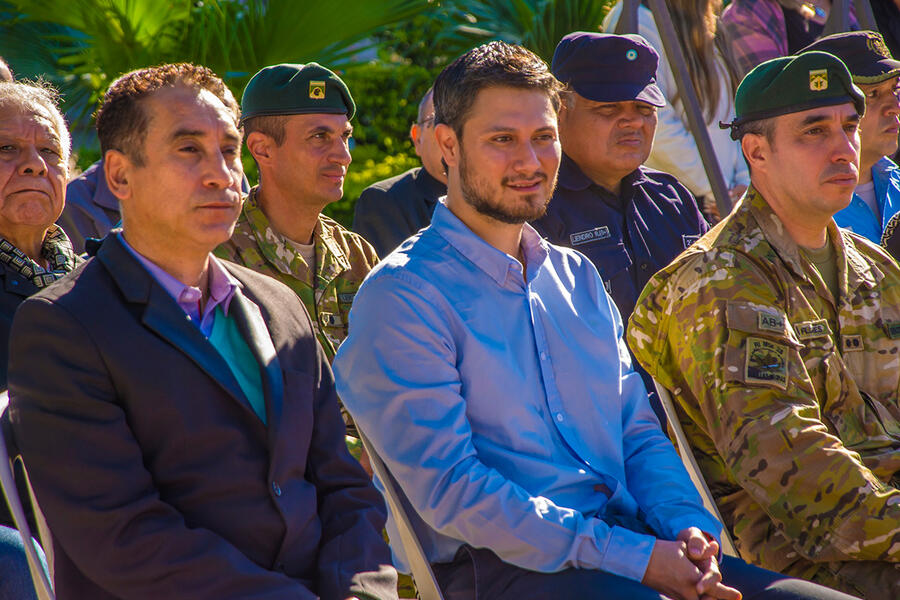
[
  {"x": 288, "y": 89},
  {"x": 793, "y": 84}
]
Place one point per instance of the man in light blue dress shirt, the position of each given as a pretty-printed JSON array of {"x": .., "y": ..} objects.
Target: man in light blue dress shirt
[{"x": 488, "y": 369}]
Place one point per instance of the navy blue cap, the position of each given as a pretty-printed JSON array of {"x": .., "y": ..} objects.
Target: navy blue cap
[
  {"x": 864, "y": 52},
  {"x": 606, "y": 67}
]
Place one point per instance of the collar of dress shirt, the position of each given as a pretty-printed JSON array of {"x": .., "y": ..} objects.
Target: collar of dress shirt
[
  {"x": 222, "y": 285},
  {"x": 495, "y": 263}
]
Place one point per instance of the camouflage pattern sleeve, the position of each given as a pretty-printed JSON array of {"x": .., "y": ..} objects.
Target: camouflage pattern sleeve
[{"x": 714, "y": 329}]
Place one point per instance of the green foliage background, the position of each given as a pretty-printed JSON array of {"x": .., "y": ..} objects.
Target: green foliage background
[{"x": 82, "y": 45}]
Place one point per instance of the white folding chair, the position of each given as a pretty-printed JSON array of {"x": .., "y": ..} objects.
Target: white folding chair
[
  {"x": 39, "y": 576},
  {"x": 422, "y": 574},
  {"x": 690, "y": 463}
]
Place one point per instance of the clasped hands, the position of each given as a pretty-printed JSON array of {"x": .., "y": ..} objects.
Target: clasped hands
[{"x": 688, "y": 568}]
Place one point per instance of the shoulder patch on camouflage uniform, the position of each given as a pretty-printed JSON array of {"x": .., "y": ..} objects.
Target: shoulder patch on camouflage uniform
[
  {"x": 807, "y": 330},
  {"x": 754, "y": 318},
  {"x": 766, "y": 362}
]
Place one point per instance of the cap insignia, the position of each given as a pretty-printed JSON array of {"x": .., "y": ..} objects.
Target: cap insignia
[
  {"x": 876, "y": 44},
  {"x": 818, "y": 80},
  {"x": 317, "y": 90}
]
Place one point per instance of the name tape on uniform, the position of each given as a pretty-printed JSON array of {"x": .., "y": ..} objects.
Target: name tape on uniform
[
  {"x": 591, "y": 235},
  {"x": 807, "y": 330}
]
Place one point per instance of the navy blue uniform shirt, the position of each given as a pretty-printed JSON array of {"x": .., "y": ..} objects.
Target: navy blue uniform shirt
[{"x": 628, "y": 237}]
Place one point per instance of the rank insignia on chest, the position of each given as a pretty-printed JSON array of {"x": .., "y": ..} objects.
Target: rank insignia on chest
[
  {"x": 770, "y": 322},
  {"x": 766, "y": 362},
  {"x": 852, "y": 343},
  {"x": 811, "y": 329},
  {"x": 317, "y": 90},
  {"x": 688, "y": 240},
  {"x": 591, "y": 235},
  {"x": 893, "y": 330}
]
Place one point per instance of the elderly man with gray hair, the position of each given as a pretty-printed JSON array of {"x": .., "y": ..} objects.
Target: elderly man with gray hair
[{"x": 34, "y": 158}]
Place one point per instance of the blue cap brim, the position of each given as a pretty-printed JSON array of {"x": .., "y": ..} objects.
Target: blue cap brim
[{"x": 621, "y": 92}]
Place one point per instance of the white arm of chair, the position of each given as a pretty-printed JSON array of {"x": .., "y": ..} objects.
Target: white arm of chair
[
  {"x": 426, "y": 584},
  {"x": 693, "y": 469},
  {"x": 38, "y": 576}
]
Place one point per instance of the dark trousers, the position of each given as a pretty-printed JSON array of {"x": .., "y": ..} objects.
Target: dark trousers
[{"x": 481, "y": 575}]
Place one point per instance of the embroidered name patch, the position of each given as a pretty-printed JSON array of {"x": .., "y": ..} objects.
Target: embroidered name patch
[
  {"x": 688, "y": 240},
  {"x": 769, "y": 322},
  {"x": 811, "y": 329},
  {"x": 852, "y": 343},
  {"x": 591, "y": 235},
  {"x": 346, "y": 298},
  {"x": 766, "y": 362}
]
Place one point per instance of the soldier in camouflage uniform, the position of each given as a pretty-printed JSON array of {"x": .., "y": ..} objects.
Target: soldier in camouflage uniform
[
  {"x": 327, "y": 288},
  {"x": 785, "y": 368},
  {"x": 297, "y": 127}
]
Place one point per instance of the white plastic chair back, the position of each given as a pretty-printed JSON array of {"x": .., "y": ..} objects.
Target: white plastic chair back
[
  {"x": 690, "y": 463},
  {"x": 39, "y": 576},
  {"x": 426, "y": 584}
]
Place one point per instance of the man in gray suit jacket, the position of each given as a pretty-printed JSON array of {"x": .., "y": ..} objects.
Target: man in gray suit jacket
[{"x": 177, "y": 417}]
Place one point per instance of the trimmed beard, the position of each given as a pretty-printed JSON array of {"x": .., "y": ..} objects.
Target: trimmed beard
[{"x": 478, "y": 198}]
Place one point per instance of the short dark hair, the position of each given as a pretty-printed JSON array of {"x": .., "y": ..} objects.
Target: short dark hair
[
  {"x": 122, "y": 122},
  {"x": 495, "y": 64},
  {"x": 273, "y": 126},
  {"x": 763, "y": 127}
]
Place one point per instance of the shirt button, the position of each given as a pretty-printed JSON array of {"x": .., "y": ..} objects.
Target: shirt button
[
  {"x": 276, "y": 488},
  {"x": 559, "y": 417},
  {"x": 543, "y": 356},
  {"x": 644, "y": 266}
]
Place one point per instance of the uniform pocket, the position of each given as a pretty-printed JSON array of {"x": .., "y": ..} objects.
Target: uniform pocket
[{"x": 761, "y": 345}]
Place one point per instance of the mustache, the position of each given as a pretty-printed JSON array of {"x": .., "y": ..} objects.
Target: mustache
[
  {"x": 515, "y": 180},
  {"x": 836, "y": 170}
]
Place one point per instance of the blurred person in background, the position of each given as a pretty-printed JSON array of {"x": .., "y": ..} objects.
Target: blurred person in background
[
  {"x": 759, "y": 30},
  {"x": 392, "y": 210},
  {"x": 876, "y": 201}
]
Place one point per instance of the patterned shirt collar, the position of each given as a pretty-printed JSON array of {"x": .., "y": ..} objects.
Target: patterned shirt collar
[
  {"x": 330, "y": 258},
  {"x": 56, "y": 249},
  {"x": 853, "y": 270}
]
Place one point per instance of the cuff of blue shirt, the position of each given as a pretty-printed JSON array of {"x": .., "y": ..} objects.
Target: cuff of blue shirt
[
  {"x": 708, "y": 526},
  {"x": 627, "y": 553}
]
